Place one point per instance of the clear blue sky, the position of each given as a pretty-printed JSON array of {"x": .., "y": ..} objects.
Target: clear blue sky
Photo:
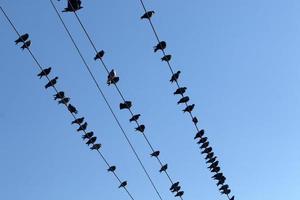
[{"x": 239, "y": 59}]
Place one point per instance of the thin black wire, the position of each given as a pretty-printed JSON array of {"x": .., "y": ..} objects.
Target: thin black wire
[
  {"x": 168, "y": 63},
  {"x": 106, "y": 101},
  {"x": 116, "y": 86},
  {"x": 56, "y": 90}
]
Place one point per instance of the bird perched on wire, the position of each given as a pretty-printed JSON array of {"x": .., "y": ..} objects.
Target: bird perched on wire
[
  {"x": 125, "y": 105},
  {"x": 209, "y": 156},
  {"x": 179, "y": 194},
  {"x": 140, "y": 128},
  {"x": 96, "y": 147},
  {"x": 163, "y": 168},
  {"x": 112, "y": 77},
  {"x": 176, "y": 189},
  {"x": 183, "y": 100},
  {"x": 202, "y": 140},
  {"x": 175, "y": 76},
  {"x": 207, "y": 150},
  {"x": 112, "y": 168},
  {"x": 78, "y": 121},
  {"x": 44, "y": 72},
  {"x": 199, "y": 134},
  {"x": 176, "y": 184},
  {"x": 59, "y": 95},
  {"x": 99, "y": 55},
  {"x": 189, "y": 108},
  {"x": 213, "y": 165},
  {"x": 155, "y": 154},
  {"x": 65, "y": 100},
  {"x": 22, "y": 38},
  {"x": 148, "y": 15},
  {"x": 166, "y": 58},
  {"x": 226, "y": 191},
  {"x": 211, "y": 160},
  {"x": 134, "y": 117},
  {"x": 88, "y": 135},
  {"x": 73, "y": 5},
  {"x": 180, "y": 91},
  {"x": 123, "y": 184},
  {"x": 82, "y": 127},
  {"x": 204, "y": 145},
  {"x": 160, "y": 46},
  {"x": 219, "y": 176},
  {"x": 26, "y": 45},
  {"x": 51, "y": 83},
  {"x": 224, "y": 187},
  {"x": 92, "y": 140},
  {"x": 195, "y": 120},
  {"x": 216, "y": 169},
  {"x": 72, "y": 109}
]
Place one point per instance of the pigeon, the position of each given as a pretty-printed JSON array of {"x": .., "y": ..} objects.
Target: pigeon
[
  {"x": 59, "y": 95},
  {"x": 111, "y": 78},
  {"x": 125, "y": 105},
  {"x": 175, "y": 76},
  {"x": 195, "y": 120},
  {"x": 166, "y": 58},
  {"x": 174, "y": 185},
  {"x": 88, "y": 135},
  {"x": 78, "y": 121},
  {"x": 92, "y": 140},
  {"x": 22, "y": 38},
  {"x": 99, "y": 55},
  {"x": 226, "y": 192},
  {"x": 183, "y": 100},
  {"x": 155, "y": 154},
  {"x": 180, "y": 91},
  {"x": 179, "y": 194},
  {"x": 123, "y": 184},
  {"x": 200, "y": 134},
  {"x": 82, "y": 127},
  {"x": 224, "y": 187},
  {"x": 189, "y": 108},
  {"x": 214, "y": 165},
  {"x": 140, "y": 128},
  {"x": 64, "y": 100},
  {"x": 134, "y": 118},
  {"x": 160, "y": 46},
  {"x": 96, "y": 147},
  {"x": 73, "y": 5},
  {"x": 51, "y": 83},
  {"x": 204, "y": 145},
  {"x": 207, "y": 150},
  {"x": 176, "y": 189},
  {"x": 44, "y": 72},
  {"x": 202, "y": 140},
  {"x": 216, "y": 170},
  {"x": 148, "y": 15},
  {"x": 26, "y": 45},
  {"x": 163, "y": 168},
  {"x": 72, "y": 109},
  {"x": 112, "y": 168},
  {"x": 221, "y": 182},
  {"x": 211, "y": 160},
  {"x": 209, "y": 156}
]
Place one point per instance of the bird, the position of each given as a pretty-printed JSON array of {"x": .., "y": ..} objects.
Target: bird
[
  {"x": 224, "y": 187},
  {"x": 163, "y": 168},
  {"x": 99, "y": 55},
  {"x": 123, "y": 184},
  {"x": 82, "y": 127},
  {"x": 155, "y": 154},
  {"x": 147, "y": 15},
  {"x": 26, "y": 45},
  {"x": 207, "y": 150},
  {"x": 51, "y": 83},
  {"x": 174, "y": 185},
  {"x": 140, "y": 128},
  {"x": 73, "y": 5},
  {"x": 199, "y": 134},
  {"x": 195, "y": 120},
  {"x": 111, "y": 76},
  {"x": 211, "y": 160},
  {"x": 59, "y": 95},
  {"x": 112, "y": 168},
  {"x": 202, "y": 140},
  {"x": 204, "y": 145},
  {"x": 209, "y": 156},
  {"x": 226, "y": 192},
  {"x": 72, "y": 109},
  {"x": 176, "y": 189},
  {"x": 65, "y": 100},
  {"x": 88, "y": 135},
  {"x": 125, "y": 105},
  {"x": 92, "y": 140},
  {"x": 175, "y": 76},
  {"x": 179, "y": 194},
  {"x": 134, "y": 117},
  {"x": 78, "y": 121},
  {"x": 96, "y": 147},
  {"x": 160, "y": 46},
  {"x": 221, "y": 182},
  {"x": 166, "y": 58},
  {"x": 22, "y": 38},
  {"x": 189, "y": 108},
  {"x": 183, "y": 100},
  {"x": 214, "y": 165},
  {"x": 216, "y": 170},
  {"x": 44, "y": 72},
  {"x": 180, "y": 91}
]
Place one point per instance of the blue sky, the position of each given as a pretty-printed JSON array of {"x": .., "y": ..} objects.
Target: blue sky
[{"x": 239, "y": 60}]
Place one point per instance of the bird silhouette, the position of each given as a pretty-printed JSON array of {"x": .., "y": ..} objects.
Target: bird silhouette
[
  {"x": 176, "y": 189},
  {"x": 204, "y": 145},
  {"x": 202, "y": 140},
  {"x": 44, "y": 72},
  {"x": 211, "y": 160},
  {"x": 180, "y": 91},
  {"x": 189, "y": 108},
  {"x": 224, "y": 187},
  {"x": 134, "y": 118},
  {"x": 88, "y": 135},
  {"x": 195, "y": 120},
  {"x": 163, "y": 168},
  {"x": 99, "y": 55},
  {"x": 183, "y": 100},
  {"x": 218, "y": 176},
  {"x": 166, "y": 58},
  {"x": 73, "y": 5},
  {"x": 221, "y": 182},
  {"x": 226, "y": 192},
  {"x": 160, "y": 46},
  {"x": 82, "y": 127},
  {"x": 72, "y": 109},
  {"x": 179, "y": 194},
  {"x": 78, "y": 121},
  {"x": 199, "y": 134},
  {"x": 92, "y": 140},
  {"x": 22, "y": 38},
  {"x": 147, "y": 15},
  {"x": 112, "y": 168},
  {"x": 59, "y": 95},
  {"x": 125, "y": 105},
  {"x": 140, "y": 128},
  {"x": 65, "y": 100},
  {"x": 96, "y": 147},
  {"x": 174, "y": 185},
  {"x": 214, "y": 165},
  {"x": 26, "y": 45},
  {"x": 207, "y": 150},
  {"x": 216, "y": 169},
  {"x": 175, "y": 77},
  {"x": 123, "y": 184},
  {"x": 111, "y": 77},
  {"x": 209, "y": 156},
  {"x": 155, "y": 154},
  {"x": 51, "y": 83}
]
